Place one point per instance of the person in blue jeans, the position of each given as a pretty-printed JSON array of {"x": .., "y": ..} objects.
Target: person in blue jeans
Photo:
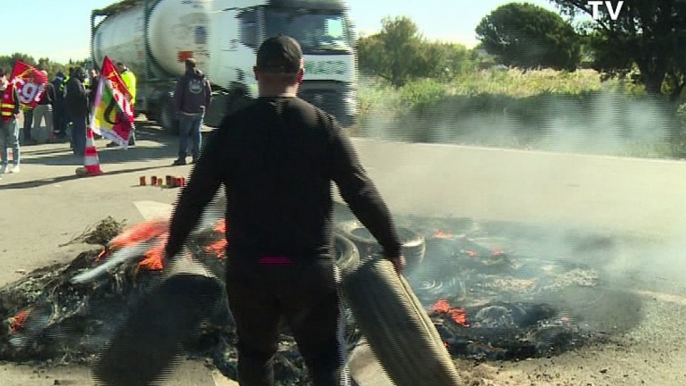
[{"x": 192, "y": 96}]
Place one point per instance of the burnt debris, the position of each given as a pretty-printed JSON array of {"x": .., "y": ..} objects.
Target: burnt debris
[{"x": 488, "y": 298}]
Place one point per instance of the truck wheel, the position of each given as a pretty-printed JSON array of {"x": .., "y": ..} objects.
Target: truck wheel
[
  {"x": 413, "y": 244},
  {"x": 167, "y": 117},
  {"x": 398, "y": 329}
]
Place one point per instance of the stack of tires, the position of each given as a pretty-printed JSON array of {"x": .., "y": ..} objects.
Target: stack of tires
[
  {"x": 388, "y": 314},
  {"x": 413, "y": 244}
]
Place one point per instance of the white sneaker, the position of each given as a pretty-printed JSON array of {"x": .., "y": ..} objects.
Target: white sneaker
[{"x": 15, "y": 169}]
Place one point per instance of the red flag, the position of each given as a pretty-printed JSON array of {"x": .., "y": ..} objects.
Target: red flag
[
  {"x": 113, "y": 114},
  {"x": 30, "y": 83}
]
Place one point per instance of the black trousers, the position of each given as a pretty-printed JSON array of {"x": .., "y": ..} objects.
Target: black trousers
[
  {"x": 304, "y": 295},
  {"x": 59, "y": 120},
  {"x": 28, "y": 124}
]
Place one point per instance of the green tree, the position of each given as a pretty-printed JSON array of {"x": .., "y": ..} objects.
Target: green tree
[
  {"x": 7, "y": 63},
  {"x": 529, "y": 36},
  {"x": 648, "y": 36},
  {"x": 399, "y": 54}
]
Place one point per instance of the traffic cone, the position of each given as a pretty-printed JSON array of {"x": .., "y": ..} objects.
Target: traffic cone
[{"x": 91, "y": 163}]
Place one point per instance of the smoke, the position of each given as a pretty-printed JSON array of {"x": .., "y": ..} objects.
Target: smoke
[
  {"x": 621, "y": 217},
  {"x": 598, "y": 123}
]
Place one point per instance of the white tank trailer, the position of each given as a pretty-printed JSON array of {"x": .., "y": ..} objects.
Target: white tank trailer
[{"x": 154, "y": 37}]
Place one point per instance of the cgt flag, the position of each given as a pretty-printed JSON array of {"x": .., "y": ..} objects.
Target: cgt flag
[
  {"x": 112, "y": 116},
  {"x": 30, "y": 83}
]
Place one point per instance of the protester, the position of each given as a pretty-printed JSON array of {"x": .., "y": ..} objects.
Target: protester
[
  {"x": 67, "y": 119},
  {"x": 43, "y": 110},
  {"x": 191, "y": 99},
  {"x": 10, "y": 109},
  {"x": 276, "y": 159},
  {"x": 28, "y": 122},
  {"x": 94, "y": 80},
  {"x": 129, "y": 79},
  {"x": 76, "y": 103},
  {"x": 59, "y": 114}
]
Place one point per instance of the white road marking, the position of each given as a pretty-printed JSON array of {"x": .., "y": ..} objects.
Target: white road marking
[
  {"x": 221, "y": 380},
  {"x": 152, "y": 209}
]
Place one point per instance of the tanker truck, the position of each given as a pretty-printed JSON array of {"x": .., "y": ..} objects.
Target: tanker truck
[{"x": 154, "y": 38}]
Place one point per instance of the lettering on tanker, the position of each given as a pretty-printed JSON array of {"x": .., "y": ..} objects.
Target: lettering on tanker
[{"x": 328, "y": 67}]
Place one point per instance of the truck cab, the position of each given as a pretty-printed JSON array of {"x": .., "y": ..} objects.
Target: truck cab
[{"x": 324, "y": 32}]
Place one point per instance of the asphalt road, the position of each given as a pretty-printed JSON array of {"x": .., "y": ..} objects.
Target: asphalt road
[{"x": 638, "y": 202}]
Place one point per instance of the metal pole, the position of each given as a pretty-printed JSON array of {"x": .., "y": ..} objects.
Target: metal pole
[{"x": 92, "y": 42}]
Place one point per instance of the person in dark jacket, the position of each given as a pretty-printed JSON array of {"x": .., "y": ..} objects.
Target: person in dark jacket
[
  {"x": 68, "y": 122},
  {"x": 76, "y": 104},
  {"x": 44, "y": 110},
  {"x": 94, "y": 80},
  {"x": 276, "y": 159},
  {"x": 192, "y": 97},
  {"x": 59, "y": 115}
]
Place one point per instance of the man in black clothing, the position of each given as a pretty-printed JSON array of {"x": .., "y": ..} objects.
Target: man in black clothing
[
  {"x": 276, "y": 159},
  {"x": 59, "y": 114},
  {"x": 93, "y": 89},
  {"x": 76, "y": 104}
]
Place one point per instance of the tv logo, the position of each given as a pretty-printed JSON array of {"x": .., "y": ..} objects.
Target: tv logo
[{"x": 614, "y": 13}]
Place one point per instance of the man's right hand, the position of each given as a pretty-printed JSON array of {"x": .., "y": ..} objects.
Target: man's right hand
[{"x": 398, "y": 263}]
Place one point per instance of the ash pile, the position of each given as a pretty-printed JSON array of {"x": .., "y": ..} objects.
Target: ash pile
[{"x": 491, "y": 295}]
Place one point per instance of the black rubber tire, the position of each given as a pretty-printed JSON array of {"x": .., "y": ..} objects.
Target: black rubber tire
[
  {"x": 150, "y": 342},
  {"x": 167, "y": 117},
  {"x": 413, "y": 244},
  {"x": 347, "y": 255},
  {"x": 398, "y": 329}
]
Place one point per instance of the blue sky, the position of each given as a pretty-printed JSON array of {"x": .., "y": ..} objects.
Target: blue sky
[{"x": 60, "y": 29}]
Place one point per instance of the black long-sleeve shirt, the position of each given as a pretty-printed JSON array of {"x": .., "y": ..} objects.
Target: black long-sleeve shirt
[
  {"x": 76, "y": 99},
  {"x": 48, "y": 96},
  {"x": 277, "y": 159}
]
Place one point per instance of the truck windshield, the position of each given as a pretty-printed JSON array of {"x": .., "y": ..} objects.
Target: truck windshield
[{"x": 317, "y": 32}]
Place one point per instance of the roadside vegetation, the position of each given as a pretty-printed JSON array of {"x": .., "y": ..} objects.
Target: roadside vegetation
[{"x": 581, "y": 89}]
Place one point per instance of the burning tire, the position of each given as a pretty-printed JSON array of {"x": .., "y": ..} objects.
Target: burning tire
[
  {"x": 151, "y": 340},
  {"x": 399, "y": 331},
  {"x": 413, "y": 244}
]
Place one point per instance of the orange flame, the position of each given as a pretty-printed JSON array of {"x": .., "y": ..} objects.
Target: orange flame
[
  {"x": 458, "y": 315},
  {"x": 220, "y": 227},
  {"x": 439, "y": 234},
  {"x": 140, "y": 232},
  {"x": 102, "y": 254},
  {"x": 217, "y": 248},
  {"x": 154, "y": 257},
  {"x": 18, "y": 320}
]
